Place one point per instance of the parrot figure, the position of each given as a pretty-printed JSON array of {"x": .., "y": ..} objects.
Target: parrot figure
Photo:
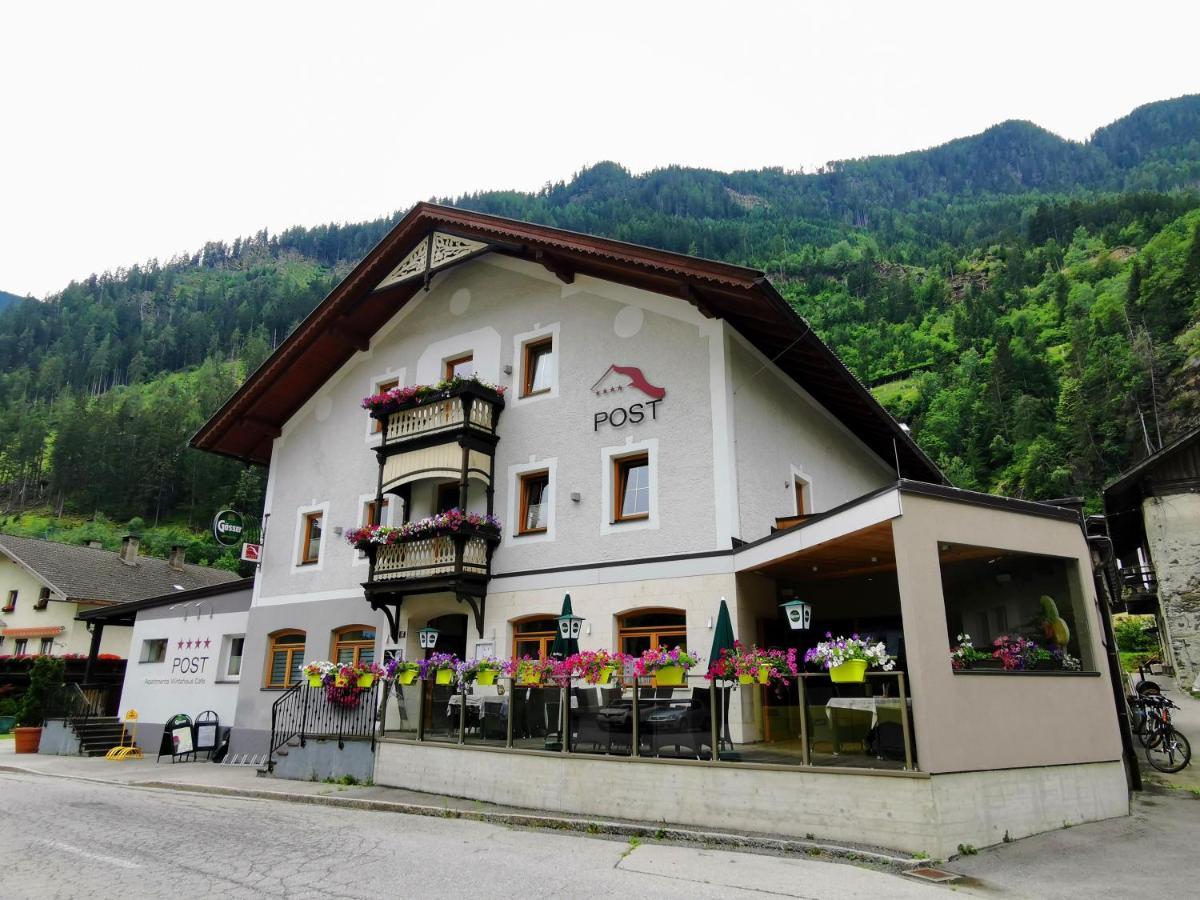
[{"x": 1057, "y": 631}]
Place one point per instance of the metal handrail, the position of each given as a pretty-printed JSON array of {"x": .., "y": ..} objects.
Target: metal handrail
[{"x": 304, "y": 712}]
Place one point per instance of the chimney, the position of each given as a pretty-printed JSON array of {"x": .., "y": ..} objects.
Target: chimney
[
  {"x": 176, "y": 559},
  {"x": 129, "y": 549},
  {"x": 95, "y": 545}
]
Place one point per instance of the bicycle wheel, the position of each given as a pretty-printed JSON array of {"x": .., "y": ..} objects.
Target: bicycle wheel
[{"x": 1172, "y": 753}]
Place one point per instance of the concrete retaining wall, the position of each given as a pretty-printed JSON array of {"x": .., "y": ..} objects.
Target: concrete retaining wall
[
  {"x": 318, "y": 760},
  {"x": 930, "y": 814}
]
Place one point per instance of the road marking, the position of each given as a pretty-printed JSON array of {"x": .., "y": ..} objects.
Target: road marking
[{"x": 97, "y": 857}]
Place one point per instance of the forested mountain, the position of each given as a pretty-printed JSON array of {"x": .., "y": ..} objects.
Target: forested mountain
[{"x": 1027, "y": 304}]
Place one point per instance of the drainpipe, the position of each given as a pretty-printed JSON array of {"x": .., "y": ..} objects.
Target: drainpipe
[{"x": 1106, "y": 592}]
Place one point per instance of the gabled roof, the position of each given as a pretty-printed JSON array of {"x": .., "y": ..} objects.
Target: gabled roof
[
  {"x": 88, "y": 574},
  {"x": 430, "y": 237},
  {"x": 126, "y": 613}
]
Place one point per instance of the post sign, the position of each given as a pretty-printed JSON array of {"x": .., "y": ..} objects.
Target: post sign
[
  {"x": 228, "y": 527},
  {"x": 619, "y": 380}
]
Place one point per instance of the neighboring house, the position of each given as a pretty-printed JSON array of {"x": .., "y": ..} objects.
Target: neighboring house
[
  {"x": 186, "y": 654},
  {"x": 44, "y": 585},
  {"x": 1153, "y": 514},
  {"x": 670, "y": 433}
]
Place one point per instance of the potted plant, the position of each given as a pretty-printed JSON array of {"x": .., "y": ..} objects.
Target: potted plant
[
  {"x": 530, "y": 672},
  {"x": 402, "y": 671},
  {"x": 316, "y": 671},
  {"x": 738, "y": 664},
  {"x": 967, "y": 656},
  {"x": 45, "y": 687},
  {"x": 387, "y": 402},
  {"x": 667, "y": 666},
  {"x": 452, "y": 521},
  {"x": 1014, "y": 652},
  {"x": 597, "y": 666},
  {"x": 441, "y": 667},
  {"x": 847, "y": 659},
  {"x": 366, "y": 674},
  {"x": 481, "y": 671}
]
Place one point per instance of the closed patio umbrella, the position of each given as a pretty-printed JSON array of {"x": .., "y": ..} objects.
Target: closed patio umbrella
[
  {"x": 722, "y": 640},
  {"x": 565, "y": 646}
]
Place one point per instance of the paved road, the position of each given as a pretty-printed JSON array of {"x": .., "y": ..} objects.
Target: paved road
[{"x": 70, "y": 838}]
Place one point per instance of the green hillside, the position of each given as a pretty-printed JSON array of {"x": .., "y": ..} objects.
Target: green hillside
[{"x": 1027, "y": 304}]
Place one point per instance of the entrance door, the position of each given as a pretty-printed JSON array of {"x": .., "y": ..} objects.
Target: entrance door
[{"x": 452, "y": 635}]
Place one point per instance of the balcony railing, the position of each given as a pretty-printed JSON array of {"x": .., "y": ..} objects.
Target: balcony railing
[
  {"x": 455, "y": 554},
  {"x": 470, "y": 407},
  {"x": 1140, "y": 579}
]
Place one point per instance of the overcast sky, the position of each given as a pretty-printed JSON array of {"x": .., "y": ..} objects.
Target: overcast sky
[{"x": 138, "y": 130}]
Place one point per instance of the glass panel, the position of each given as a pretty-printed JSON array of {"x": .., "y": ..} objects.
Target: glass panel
[
  {"x": 297, "y": 663},
  {"x": 235, "y": 656},
  {"x": 635, "y": 644},
  {"x": 654, "y": 620},
  {"x": 601, "y": 718},
  {"x": 279, "y": 666},
  {"x": 442, "y": 703},
  {"x": 540, "y": 358},
  {"x": 1021, "y": 611},
  {"x": 345, "y": 655},
  {"x": 536, "y": 717},
  {"x": 313, "y": 549},
  {"x": 636, "y": 500},
  {"x": 856, "y": 725},
  {"x": 401, "y": 710},
  {"x": 360, "y": 635},
  {"x": 463, "y": 367},
  {"x": 531, "y": 647},
  {"x": 536, "y": 625},
  {"x": 537, "y": 508},
  {"x": 487, "y": 713},
  {"x": 290, "y": 639},
  {"x": 675, "y": 721}
]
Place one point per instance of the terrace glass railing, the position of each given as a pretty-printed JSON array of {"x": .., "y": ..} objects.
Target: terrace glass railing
[{"x": 806, "y": 722}]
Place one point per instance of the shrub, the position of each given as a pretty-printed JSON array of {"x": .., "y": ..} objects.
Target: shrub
[
  {"x": 45, "y": 687},
  {"x": 1132, "y": 635}
]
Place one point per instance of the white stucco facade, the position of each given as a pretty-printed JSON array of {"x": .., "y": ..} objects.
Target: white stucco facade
[{"x": 58, "y": 616}]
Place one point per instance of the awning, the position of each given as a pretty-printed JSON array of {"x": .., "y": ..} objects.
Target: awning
[{"x": 34, "y": 632}]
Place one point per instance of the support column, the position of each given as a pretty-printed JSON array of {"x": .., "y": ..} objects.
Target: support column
[{"x": 93, "y": 651}]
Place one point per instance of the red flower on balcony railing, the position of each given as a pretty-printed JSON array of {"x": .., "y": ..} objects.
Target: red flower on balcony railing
[
  {"x": 389, "y": 401},
  {"x": 452, "y": 521}
]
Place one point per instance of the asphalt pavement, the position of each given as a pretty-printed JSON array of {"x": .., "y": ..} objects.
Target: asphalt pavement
[{"x": 66, "y": 838}]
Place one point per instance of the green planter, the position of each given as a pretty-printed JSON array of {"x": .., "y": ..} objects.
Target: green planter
[
  {"x": 849, "y": 672},
  {"x": 669, "y": 676}
]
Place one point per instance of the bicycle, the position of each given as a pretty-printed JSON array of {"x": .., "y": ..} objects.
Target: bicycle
[{"x": 1167, "y": 750}]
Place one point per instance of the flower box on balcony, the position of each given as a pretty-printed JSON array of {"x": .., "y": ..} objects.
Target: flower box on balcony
[{"x": 399, "y": 399}]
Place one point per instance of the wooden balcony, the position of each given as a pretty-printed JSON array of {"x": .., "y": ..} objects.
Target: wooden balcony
[
  {"x": 458, "y": 564},
  {"x": 468, "y": 411}
]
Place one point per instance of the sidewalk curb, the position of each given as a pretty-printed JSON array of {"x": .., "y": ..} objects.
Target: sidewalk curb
[{"x": 609, "y": 827}]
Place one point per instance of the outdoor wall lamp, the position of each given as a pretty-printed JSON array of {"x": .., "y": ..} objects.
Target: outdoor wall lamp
[
  {"x": 428, "y": 637},
  {"x": 569, "y": 627},
  {"x": 798, "y": 613}
]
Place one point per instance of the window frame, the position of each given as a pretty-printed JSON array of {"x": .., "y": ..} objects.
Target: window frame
[
  {"x": 43, "y": 600},
  {"x": 46, "y": 647},
  {"x": 20, "y": 645},
  {"x": 378, "y": 383},
  {"x": 515, "y": 500},
  {"x": 542, "y": 347},
  {"x": 146, "y": 642},
  {"x": 11, "y": 604},
  {"x": 227, "y": 657},
  {"x": 545, "y": 638},
  {"x": 306, "y": 541},
  {"x": 336, "y": 641},
  {"x": 274, "y": 646},
  {"x": 655, "y": 632},
  {"x": 620, "y": 480},
  {"x": 299, "y": 539},
  {"x": 802, "y": 488},
  {"x": 450, "y": 363},
  {"x": 522, "y": 344},
  {"x": 524, "y": 480},
  {"x": 365, "y": 501},
  {"x": 609, "y": 523}
]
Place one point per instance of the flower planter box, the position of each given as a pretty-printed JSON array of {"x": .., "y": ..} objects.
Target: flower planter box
[
  {"x": 366, "y": 680},
  {"x": 992, "y": 664},
  {"x": 486, "y": 678},
  {"x": 314, "y": 680},
  {"x": 444, "y": 676},
  {"x": 606, "y": 674},
  {"x": 669, "y": 676},
  {"x": 26, "y": 740},
  {"x": 406, "y": 676},
  {"x": 764, "y": 674},
  {"x": 745, "y": 679},
  {"x": 852, "y": 671}
]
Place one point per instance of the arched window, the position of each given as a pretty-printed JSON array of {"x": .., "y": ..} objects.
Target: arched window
[
  {"x": 649, "y": 629},
  {"x": 533, "y": 636},
  {"x": 354, "y": 644},
  {"x": 285, "y": 656}
]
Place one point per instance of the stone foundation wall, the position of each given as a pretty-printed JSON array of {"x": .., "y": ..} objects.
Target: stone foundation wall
[{"x": 1173, "y": 535}]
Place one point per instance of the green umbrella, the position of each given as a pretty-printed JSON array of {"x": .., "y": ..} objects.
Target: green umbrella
[
  {"x": 722, "y": 634},
  {"x": 723, "y": 640},
  {"x": 564, "y": 647}
]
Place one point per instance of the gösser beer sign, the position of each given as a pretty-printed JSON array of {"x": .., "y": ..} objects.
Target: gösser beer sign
[{"x": 228, "y": 528}]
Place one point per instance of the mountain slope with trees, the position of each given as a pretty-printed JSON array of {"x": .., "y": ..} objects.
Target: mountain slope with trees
[{"x": 1027, "y": 304}]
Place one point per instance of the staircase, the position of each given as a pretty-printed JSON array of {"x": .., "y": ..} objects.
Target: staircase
[{"x": 97, "y": 735}]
